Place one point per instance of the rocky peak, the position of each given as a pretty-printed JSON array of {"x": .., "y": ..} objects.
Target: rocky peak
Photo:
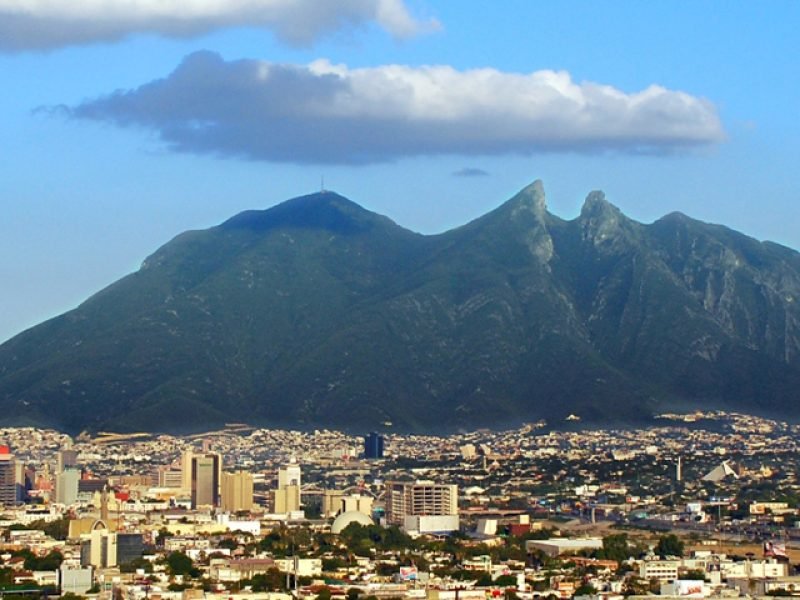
[
  {"x": 530, "y": 199},
  {"x": 597, "y": 207},
  {"x": 322, "y": 210},
  {"x": 601, "y": 222}
]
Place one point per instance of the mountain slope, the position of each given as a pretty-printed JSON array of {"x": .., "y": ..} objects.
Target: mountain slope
[{"x": 318, "y": 312}]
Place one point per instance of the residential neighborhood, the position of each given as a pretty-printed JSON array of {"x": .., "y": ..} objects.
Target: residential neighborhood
[{"x": 703, "y": 504}]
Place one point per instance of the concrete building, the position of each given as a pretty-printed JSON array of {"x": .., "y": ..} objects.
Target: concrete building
[
  {"x": 227, "y": 569},
  {"x": 373, "y": 445},
  {"x": 289, "y": 474},
  {"x": 332, "y": 503},
  {"x": 662, "y": 570},
  {"x": 335, "y": 502},
  {"x": 455, "y": 594},
  {"x": 75, "y": 580},
  {"x": 302, "y": 567},
  {"x": 556, "y": 546},
  {"x": 205, "y": 479},
  {"x": 422, "y": 524},
  {"x": 356, "y": 502},
  {"x": 104, "y": 548},
  {"x": 186, "y": 469},
  {"x": 67, "y": 483},
  {"x": 170, "y": 478},
  {"x": 420, "y": 499},
  {"x": 66, "y": 459},
  {"x": 12, "y": 482},
  {"x": 236, "y": 492},
  {"x": 286, "y": 499}
]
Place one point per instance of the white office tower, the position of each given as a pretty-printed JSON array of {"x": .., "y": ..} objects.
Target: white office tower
[
  {"x": 289, "y": 474},
  {"x": 286, "y": 499},
  {"x": 67, "y": 486},
  {"x": 422, "y": 506}
]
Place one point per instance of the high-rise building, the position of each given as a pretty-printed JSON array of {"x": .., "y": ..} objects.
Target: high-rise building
[
  {"x": 336, "y": 502},
  {"x": 357, "y": 503},
  {"x": 11, "y": 484},
  {"x": 106, "y": 548},
  {"x": 332, "y": 503},
  {"x": 130, "y": 546},
  {"x": 67, "y": 483},
  {"x": 186, "y": 469},
  {"x": 289, "y": 474},
  {"x": 420, "y": 499},
  {"x": 169, "y": 477},
  {"x": 66, "y": 459},
  {"x": 205, "y": 479},
  {"x": 373, "y": 445},
  {"x": 237, "y": 491},
  {"x": 286, "y": 498}
]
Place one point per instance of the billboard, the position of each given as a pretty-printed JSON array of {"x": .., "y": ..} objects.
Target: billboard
[
  {"x": 688, "y": 588},
  {"x": 775, "y": 550}
]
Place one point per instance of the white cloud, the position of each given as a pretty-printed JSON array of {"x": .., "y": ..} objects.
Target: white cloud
[
  {"x": 328, "y": 113},
  {"x": 43, "y": 24}
]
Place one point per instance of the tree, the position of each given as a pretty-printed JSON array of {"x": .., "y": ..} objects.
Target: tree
[
  {"x": 669, "y": 545},
  {"x": 505, "y": 581},
  {"x": 270, "y": 581},
  {"x": 615, "y": 547},
  {"x": 179, "y": 564},
  {"x": 333, "y": 564},
  {"x": 50, "y": 562},
  {"x": 228, "y": 543},
  {"x": 58, "y": 529},
  {"x": 587, "y": 589},
  {"x": 136, "y": 563},
  {"x": 635, "y": 586}
]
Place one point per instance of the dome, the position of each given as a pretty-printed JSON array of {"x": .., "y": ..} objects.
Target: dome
[{"x": 351, "y": 516}]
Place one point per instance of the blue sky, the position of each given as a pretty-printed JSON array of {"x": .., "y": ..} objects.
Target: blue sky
[{"x": 124, "y": 124}]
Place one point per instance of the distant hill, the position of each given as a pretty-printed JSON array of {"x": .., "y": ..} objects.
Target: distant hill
[{"x": 318, "y": 312}]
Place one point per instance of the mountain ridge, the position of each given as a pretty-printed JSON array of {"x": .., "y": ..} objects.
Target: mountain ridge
[{"x": 318, "y": 312}]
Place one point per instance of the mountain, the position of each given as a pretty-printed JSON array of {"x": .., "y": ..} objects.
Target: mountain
[{"x": 317, "y": 312}]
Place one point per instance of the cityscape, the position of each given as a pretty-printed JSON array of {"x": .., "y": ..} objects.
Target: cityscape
[
  {"x": 702, "y": 504},
  {"x": 399, "y": 300}
]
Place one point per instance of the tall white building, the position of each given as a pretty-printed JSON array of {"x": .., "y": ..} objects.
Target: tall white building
[
  {"x": 422, "y": 506},
  {"x": 289, "y": 474},
  {"x": 67, "y": 486},
  {"x": 286, "y": 499}
]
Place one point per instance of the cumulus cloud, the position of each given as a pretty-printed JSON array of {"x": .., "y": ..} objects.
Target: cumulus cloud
[
  {"x": 43, "y": 24},
  {"x": 470, "y": 172},
  {"x": 327, "y": 113}
]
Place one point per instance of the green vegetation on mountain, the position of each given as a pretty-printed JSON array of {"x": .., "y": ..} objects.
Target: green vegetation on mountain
[{"x": 319, "y": 313}]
